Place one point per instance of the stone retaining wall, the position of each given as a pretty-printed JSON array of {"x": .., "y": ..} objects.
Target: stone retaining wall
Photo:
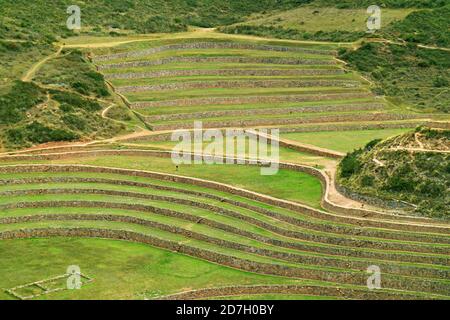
[
  {"x": 355, "y": 278},
  {"x": 242, "y": 290},
  {"x": 351, "y": 215},
  {"x": 210, "y": 45},
  {"x": 355, "y": 117},
  {"x": 353, "y": 127},
  {"x": 315, "y": 128},
  {"x": 330, "y": 228},
  {"x": 251, "y": 100},
  {"x": 377, "y": 202},
  {"x": 268, "y": 111},
  {"x": 158, "y": 62},
  {"x": 359, "y": 243},
  {"x": 289, "y": 257},
  {"x": 192, "y": 85},
  {"x": 323, "y": 178},
  {"x": 224, "y": 72}
]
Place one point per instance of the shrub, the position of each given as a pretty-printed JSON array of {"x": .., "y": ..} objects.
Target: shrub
[{"x": 350, "y": 164}]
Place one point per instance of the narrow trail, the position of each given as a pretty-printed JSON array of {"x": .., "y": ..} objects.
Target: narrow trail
[{"x": 32, "y": 71}]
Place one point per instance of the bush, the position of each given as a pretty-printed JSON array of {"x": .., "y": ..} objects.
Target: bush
[{"x": 350, "y": 164}]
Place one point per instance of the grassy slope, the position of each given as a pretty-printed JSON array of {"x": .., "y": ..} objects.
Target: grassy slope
[
  {"x": 34, "y": 112},
  {"x": 147, "y": 272},
  {"x": 411, "y": 75},
  {"x": 314, "y": 23},
  {"x": 344, "y": 141}
]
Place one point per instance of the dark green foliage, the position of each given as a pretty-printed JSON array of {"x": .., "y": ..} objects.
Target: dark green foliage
[
  {"x": 38, "y": 133},
  {"x": 413, "y": 74},
  {"x": 346, "y": 4},
  {"x": 425, "y": 26},
  {"x": 350, "y": 165},
  {"x": 287, "y": 33},
  {"x": 370, "y": 145},
  {"x": 367, "y": 181},
  {"x": 75, "y": 100},
  {"x": 37, "y": 19},
  {"x": 72, "y": 71},
  {"x": 75, "y": 122},
  {"x": 162, "y": 24},
  {"x": 22, "y": 97},
  {"x": 419, "y": 178}
]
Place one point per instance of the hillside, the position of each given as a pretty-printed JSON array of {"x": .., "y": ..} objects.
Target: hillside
[
  {"x": 413, "y": 167},
  {"x": 411, "y": 75},
  {"x": 63, "y": 103}
]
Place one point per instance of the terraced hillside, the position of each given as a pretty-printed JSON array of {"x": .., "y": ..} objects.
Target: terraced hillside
[
  {"x": 142, "y": 228},
  {"x": 266, "y": 245},
  {"x": 226, "y": 83}
]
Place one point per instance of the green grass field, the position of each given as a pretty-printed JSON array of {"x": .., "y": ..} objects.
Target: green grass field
[{"x": 344, "y": 141}]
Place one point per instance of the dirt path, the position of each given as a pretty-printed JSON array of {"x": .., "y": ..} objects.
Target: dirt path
[
  {"x": 32, "y": 71},
  {"x": 199, "y": 33}
]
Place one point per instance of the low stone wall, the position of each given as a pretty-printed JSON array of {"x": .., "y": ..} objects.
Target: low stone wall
[
  {"x": 439, "y": 124},
  {"x": 242, "y": 290},
  {"x": 355, "y": 117},
  {"x": 377, "y": 202},
  {"x": 289, "y": 257},
  {"x": 294, "y": 221},
  {"x": 210, "y": 45},
  {"x": 315, "y": 128},
  {"x": 252, "y": 60},
  {"x": 301, "y": 235},
  {"x": 353, "y": 126},
  {"x": 251, "y": 99},
  {"x": 224, "y": 72},
  {"x": 355, "y": 278},
  {"x": 352, "y": 216},
  {"x": 268, "y": 111},
  {"x": 191, "y": 85}
]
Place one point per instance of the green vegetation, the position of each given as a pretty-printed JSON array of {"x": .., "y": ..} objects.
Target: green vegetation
[
  {"x": 313, "y": 23},
  {"x": 425, "y": 27},
  {"x": 383, "y": 3},
  {"x": 147, "y": 273},
  {"x": 72, "y": 71},
  {"x": 344, "y": 141},
  {"x": 60, "y": 105},
  {"x": 418, "y": 177},
  {"x": 409, "y": 74},
  {"x": 306, "y": 248}
]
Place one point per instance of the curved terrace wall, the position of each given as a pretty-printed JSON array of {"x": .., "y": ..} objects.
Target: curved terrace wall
[
  {"x": 225, "y": 72},
  {"x": 267, "y": 111},
  {"x": 355, "y": 216},
  {"x": 355, "y": 117},
  {"x": 325, "y": 227},
  {"x": 252, "y": 60},
  {"x": 210, "y": 45},
  {"x": 240, "y": 84},
  {"x": 313, "y": 260},
  {"x": 356, "y": 278},
  {"x": 251, "y": 99},
  {"x": 242, "y": 290}
]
